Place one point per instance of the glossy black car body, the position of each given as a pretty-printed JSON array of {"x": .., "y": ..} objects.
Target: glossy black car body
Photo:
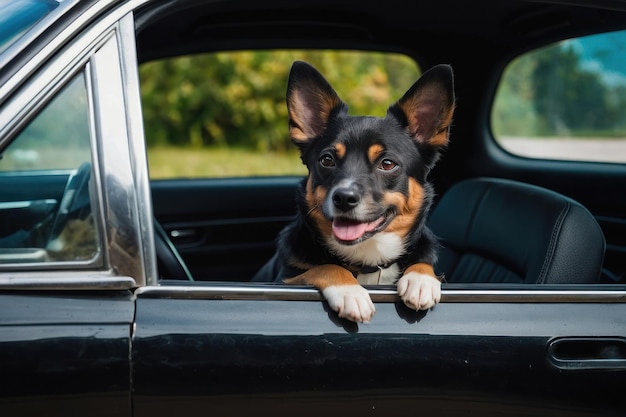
[{"x": 114, "y": 334}]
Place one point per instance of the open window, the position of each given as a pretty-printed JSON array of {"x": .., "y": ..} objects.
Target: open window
[{"x": 223, "y": 114}]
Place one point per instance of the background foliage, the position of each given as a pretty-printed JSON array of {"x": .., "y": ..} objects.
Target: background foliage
[
  {"x": 557, "y": 91},
  {"x": 238, "y": 98}
]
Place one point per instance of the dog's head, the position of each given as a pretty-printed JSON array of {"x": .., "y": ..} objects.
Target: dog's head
[{"x": 367, "y": 174}]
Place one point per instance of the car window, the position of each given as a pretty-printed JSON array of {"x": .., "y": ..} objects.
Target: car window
[
  {"x": 57, "y": 138},
  {"x": 565, "y": 101},
  {"x": 224, "y": 114},
  {"x": 45, "y": 175}
]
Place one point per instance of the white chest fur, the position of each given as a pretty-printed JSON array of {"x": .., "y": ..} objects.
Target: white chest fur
[{"x": 380, "y": 249}]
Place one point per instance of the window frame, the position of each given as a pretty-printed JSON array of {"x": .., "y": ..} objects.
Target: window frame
[{"x": 107, "y": 57}]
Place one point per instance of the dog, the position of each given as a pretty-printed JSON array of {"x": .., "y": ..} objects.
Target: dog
[{"x": 363, "y": 205}]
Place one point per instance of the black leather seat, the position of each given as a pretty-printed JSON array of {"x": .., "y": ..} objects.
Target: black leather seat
[{"x": 501, "y": 231}]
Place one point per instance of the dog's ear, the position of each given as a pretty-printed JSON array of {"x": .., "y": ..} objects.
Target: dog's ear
[
  {"x": 310, "y": 102},
  {"x": 427, "y": 107}
]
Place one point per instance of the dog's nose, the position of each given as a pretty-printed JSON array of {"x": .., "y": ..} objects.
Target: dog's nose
[{"x": 346, "y": 199}]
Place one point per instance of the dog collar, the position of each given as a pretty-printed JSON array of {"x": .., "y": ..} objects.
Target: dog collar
[
  {"x": 368, "y": 274},
  {"x": 357, "y": 269},
  {"x": 368, "y": 269}
]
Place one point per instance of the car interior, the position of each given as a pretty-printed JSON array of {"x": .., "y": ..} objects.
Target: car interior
[{"x": 530, "y": 221}]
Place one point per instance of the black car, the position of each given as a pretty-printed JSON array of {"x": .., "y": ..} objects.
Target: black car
[{"x": 125, "y": 274}]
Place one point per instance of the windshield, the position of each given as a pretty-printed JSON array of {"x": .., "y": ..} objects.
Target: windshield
[{"x": 17, "y": 16}]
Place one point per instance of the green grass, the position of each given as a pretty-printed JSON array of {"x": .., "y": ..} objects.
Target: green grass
[{"x": 175, "y": 162}]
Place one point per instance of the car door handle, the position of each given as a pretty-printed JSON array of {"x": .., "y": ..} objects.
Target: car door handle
[
  {"x": 186, "y": 236},
  {"x": 588, "y": 352}
]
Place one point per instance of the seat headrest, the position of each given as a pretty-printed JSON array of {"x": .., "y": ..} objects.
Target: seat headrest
[{"x": 496, "y": 230}]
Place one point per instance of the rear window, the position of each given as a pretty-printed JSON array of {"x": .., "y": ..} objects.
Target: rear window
[
  {"x": 224, "y": 114},
  {"x": 566, "y": 101}
]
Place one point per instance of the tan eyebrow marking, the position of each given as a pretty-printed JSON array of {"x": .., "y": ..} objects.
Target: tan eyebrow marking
[
  {"x": 340, "y": 150},
  {"x": 374, "y": 152}
]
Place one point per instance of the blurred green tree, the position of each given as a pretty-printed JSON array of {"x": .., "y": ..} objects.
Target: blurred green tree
[
  {"x": 554, "y": 92},
  {"x": 238, "y": 98},
  {"x": 568, "y": 97}
]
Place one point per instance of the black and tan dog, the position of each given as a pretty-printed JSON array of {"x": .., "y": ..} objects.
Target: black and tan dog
[{"x": 363, "y": 205}]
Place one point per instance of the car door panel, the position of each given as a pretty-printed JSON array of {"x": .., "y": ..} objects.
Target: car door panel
[
  {"x": 225, "y": 229},
  {"x": 27, "y": 199},
  {"x": 59, "y": 341},
  {"x": 32, "y": 186},
  {"x": 199, "y": 353},
  {"x": 614, "y": 229}
]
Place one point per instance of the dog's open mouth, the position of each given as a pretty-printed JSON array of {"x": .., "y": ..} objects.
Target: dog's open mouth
[{"x": 350, "y": 231}]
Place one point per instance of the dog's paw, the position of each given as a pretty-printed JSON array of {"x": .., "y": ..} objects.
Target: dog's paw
[
  {"x": 419, "y": 291},
  {"x": 351, "y": 302}
]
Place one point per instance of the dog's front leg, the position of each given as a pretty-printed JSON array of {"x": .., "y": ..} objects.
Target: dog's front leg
[
  {"x": 419, "y": 288},
  {"x": 342, "y": 291}
]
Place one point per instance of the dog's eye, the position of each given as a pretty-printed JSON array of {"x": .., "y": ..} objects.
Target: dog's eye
[
  {"x": 387, "y": 165},
  {"x": 327, "y": 161}
]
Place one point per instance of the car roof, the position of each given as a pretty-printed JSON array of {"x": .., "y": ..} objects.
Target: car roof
[{"x": 436, "y": 28}]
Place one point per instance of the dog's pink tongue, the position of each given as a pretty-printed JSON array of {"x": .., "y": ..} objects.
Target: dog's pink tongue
[{"x": 350, "y": 230}]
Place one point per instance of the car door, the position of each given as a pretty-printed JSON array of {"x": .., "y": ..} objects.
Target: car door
[
  {"x": 70, "y": 246},
  {"x": 238, "y": 349}
]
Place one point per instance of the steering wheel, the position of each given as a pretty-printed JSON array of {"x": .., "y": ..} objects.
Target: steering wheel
[{"x": 74, "y": 202}]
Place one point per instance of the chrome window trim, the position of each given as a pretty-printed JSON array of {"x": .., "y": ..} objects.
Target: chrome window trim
[
  {"x": 64, "y": 280},
  {"x": 137, "y": 146},
  {"x": 125, "y": 245},
  {"x": 281, "y": 292},
  {"x": 96, "y": 189}
]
